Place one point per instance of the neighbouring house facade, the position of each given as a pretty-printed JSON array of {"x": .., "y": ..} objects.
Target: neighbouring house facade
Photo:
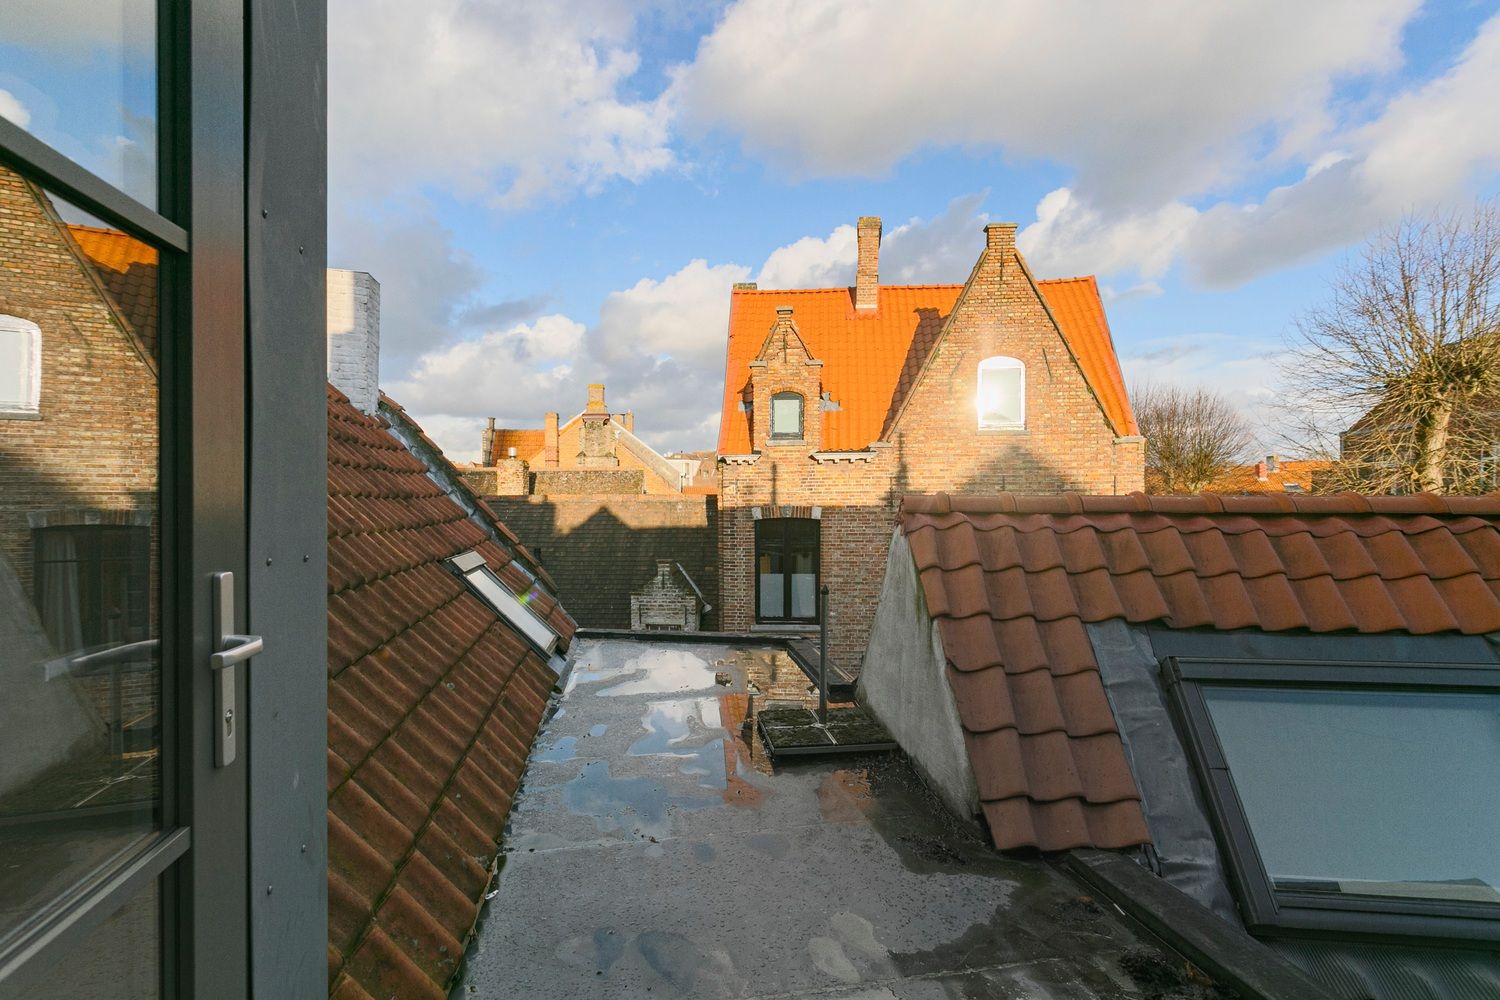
[
  {"x": 838, "y": 401},
  {"x": 603, "y": 510},
  {"x": 1381, "y": 452},
  {"x": 595, "y": 451}
]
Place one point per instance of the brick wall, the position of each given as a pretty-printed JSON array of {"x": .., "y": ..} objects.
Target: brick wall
[
  {"x": 585, "y": 482},
  {"x": 354, "y": 337},
  {"x": 602, "y": 549},
  {"x": 1067, "y": 445},
  {"x": 94, "y": 445}
]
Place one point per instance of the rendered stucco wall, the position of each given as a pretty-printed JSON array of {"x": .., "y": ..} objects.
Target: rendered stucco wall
[
  {"x": 354, "y": 337},
  {"x": 904, "y": 683}
]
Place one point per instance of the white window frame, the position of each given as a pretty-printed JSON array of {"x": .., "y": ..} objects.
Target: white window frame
[
  {"x": 489, "y": 588},
  {"x": 999, "y": 362},
  {"x": 30, "y": 406}
]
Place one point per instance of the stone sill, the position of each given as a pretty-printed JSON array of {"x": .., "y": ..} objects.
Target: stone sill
[{"x": 790, "y": 628}]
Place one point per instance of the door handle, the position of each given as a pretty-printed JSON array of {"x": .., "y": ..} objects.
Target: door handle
[{"x": 231, "y": 649}]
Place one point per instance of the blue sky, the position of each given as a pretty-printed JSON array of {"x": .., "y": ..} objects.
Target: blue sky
[{"x": 557, "y": 194}]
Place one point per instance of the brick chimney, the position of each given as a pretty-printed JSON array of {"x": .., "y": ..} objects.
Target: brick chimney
[
  {"x": 596, "y": 399},
  {"x": 549, "y": 442},
  {"x": 867, "y": 268},
  {"x": 353, "y": 332},
  {"x": 1000, "y": 236},
  {"x": 488, "y": 449},
  {"x": 627, "y": 420},
  {"x": 1260, "y": 472},
  {"x": 1273, "y": 463}
]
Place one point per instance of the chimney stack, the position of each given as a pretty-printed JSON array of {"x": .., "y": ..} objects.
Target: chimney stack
[
  {"x": 867, "y": 268},
  {"x": 549, "y": 442},
  {"x": 1000, "y": 236},
  {"x": 1273, "y": 463},
  {"x": 1260, "y": 472},
  {"x": 488, "y": 451},
  {"x": 627, "y": 420},
  {"x": 596, "y": 398},
  {"x": 353, "y": 333}
]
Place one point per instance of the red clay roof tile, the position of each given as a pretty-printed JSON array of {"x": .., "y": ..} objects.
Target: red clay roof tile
[
  {"x": 1012, "y": 581},
  {"x": 425, "y": 680}
]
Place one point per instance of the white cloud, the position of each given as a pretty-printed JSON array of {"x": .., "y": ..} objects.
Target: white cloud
[
  {"x": 1246, "y": 374},
  {"x": 1425, "y": 147},
  {"x": 12, "y": 108},
  {"x": 502, "y": 100},
  {"x": 684, "y": 315},
  {"x": 812, "y": 262},
  {"x": 1071, "y": 237},
  {"x": 1144, "y": 101}
]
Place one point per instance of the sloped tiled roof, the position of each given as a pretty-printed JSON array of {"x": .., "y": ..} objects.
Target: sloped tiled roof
[
  {"x": 433, "y": 701},
  {"x": 528, "y": 444},
  {"x": 127, "y": 269},
  {"x": 872, "y": 360},
  {"x": 1079, "y": 312},
  {"x": 1012, "y": 581},
  {"x": 1244, "y": 478}
]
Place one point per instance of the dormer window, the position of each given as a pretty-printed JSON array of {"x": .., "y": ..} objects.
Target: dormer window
[
  {"x": 1001, "y": 397},
  {"x": 786, "y": 416}
]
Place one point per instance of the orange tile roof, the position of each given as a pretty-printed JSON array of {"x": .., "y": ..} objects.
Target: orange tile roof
[
  {"x": 1244, "y": 478},
  {"x": 127, "y": 269},
  {"x": 528, "y": 444},
  {"x": 871, "y": 361},
  {"x": 863, "y": 355},
  {"x": 1012, "y": 580},
  {"x": 1079, "y": 312}
]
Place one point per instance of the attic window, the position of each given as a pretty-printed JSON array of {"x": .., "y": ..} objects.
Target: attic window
[
  {"x": 515, "y": 610},
  {"x": 20, "y": 368},
  {"x": 1351, "y": 797},
  {"x": 786, "y": 416},
  {"x": 1001, "y": 395}
]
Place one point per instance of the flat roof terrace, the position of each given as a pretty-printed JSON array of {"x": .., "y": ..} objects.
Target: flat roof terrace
[{"x": 653, "y": 852}]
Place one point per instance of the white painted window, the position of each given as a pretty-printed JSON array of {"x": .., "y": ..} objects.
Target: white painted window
[
  {"x": 1001, "y": 398},
  {"x": 20, "y": 367}
]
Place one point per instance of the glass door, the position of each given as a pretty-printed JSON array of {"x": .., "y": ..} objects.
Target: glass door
[{"x": 117, "y": 405}]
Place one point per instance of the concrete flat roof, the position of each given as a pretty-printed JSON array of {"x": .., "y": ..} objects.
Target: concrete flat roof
[{"x": 653, "y": 853}]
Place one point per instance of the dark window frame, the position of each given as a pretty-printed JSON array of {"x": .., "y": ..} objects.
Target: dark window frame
[
  {"x": 92, "y": 562},
  {"x": 1265, "y": 909},
  {"x": 800, "y": 435},
  {"x": 784, "y": 523}
]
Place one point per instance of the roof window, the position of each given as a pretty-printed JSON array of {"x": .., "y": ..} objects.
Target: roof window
[
  {"x": 515, "y": 610},
  {"x": 1351, "y": 797}
]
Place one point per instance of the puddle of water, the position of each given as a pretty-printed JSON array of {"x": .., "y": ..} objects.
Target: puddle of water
[
  {"x": 638, "y": 805},
  {"x": 668, "y": 723},
  {"x": 655, "y": 671},
  {"x": 598, "y": 730},
  {"x": 560, "y": 752}
]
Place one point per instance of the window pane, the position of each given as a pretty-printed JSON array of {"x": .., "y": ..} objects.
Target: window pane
[
  {"x": 80, "y": 680},
  {"x": 119, "y": 959},
  {"x": 81, "y": 76},
  {"x": 1368, "y": 792},
  {"x": 786, "y": 416},
  {"x": 1000, "y": 397},
  {"x": 769, "y": 579}
]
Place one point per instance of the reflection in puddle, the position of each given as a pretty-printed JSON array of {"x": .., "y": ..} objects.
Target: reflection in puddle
[
  {"x": 639, "y": 805},
  {"x": 656, "y": 671},
  {"x": 668, "y": 723},
  {"x": 561, "y": 751}
]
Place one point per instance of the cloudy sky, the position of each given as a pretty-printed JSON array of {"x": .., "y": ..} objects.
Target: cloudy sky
[{"x": 554, "y": 194}]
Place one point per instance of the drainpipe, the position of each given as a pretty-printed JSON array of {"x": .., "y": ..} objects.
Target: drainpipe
[{"x": 823, "y": 656}]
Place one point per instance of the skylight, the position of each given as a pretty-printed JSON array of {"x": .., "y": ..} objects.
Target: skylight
[{"x": 515, "y": 610}]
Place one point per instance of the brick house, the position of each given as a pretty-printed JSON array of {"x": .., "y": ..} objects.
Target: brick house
[
  {"x": 837, "y": 401},
  {"x": 78, "y": 484},
  {"x": 595, "y": 451}
]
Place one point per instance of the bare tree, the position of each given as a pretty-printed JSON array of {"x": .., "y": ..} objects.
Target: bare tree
[
  {"x": 1192, "y": 437},
  {"x": 1404, "y": 359}
]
